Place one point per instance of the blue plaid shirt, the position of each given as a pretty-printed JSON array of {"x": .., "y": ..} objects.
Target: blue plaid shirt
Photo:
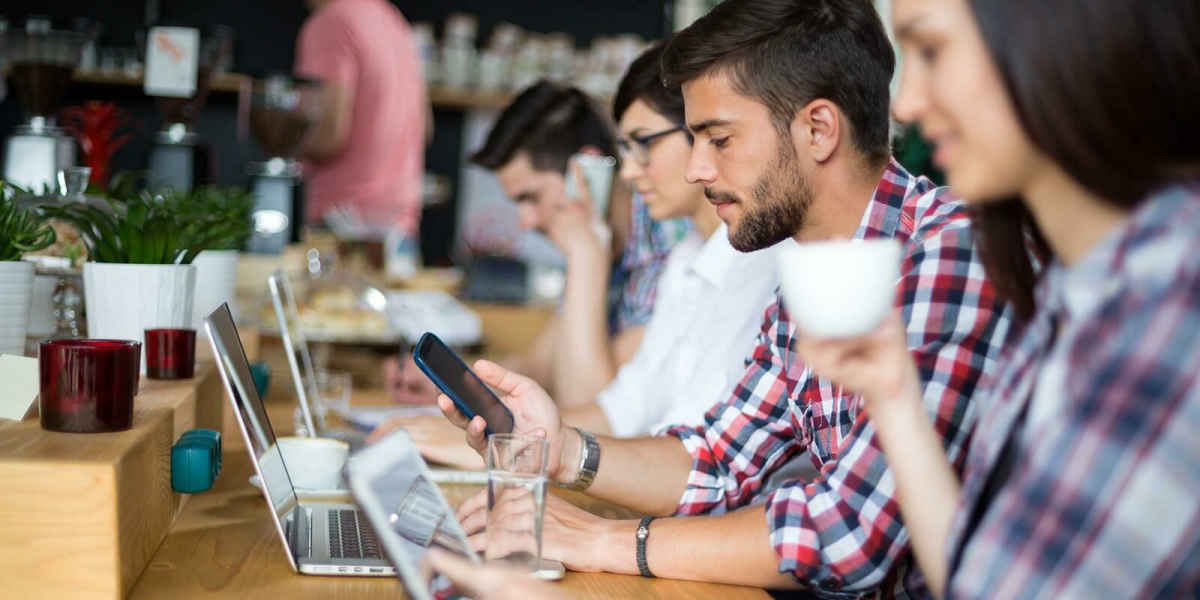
[
  {"x": 1099, "y": 402},
  {"x": 634, "y": 283}
]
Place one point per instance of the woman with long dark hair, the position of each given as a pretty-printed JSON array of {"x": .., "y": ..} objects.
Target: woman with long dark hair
[{"x": 1072, "y": 126}]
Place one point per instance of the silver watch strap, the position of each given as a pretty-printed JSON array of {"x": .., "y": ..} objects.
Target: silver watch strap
[{"x": 589, "y": 461}]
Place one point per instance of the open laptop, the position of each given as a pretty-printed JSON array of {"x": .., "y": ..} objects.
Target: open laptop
[
  {"x": 392, "y": 484},
  {"x": 320, "y": 539},
  {"x": 301, "y": 364}
]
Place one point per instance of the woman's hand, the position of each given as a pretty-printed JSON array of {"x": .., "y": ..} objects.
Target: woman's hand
[
  {"x": 493, "y": 582},
  {"x": 878, "y": 366}
]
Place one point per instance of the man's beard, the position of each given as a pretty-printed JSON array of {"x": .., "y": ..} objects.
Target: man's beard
[{"x": 778, "y": 206}]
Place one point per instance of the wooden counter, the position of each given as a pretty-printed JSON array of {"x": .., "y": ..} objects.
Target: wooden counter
[
  {"x": 224, "y": 544},
  {"x": 81, "y": 514}
]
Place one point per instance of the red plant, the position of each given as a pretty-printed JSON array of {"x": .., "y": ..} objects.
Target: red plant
[{"x": 93, "y": 125}]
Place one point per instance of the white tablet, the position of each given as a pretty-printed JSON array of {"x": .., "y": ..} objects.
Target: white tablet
[{"x": 407, "y": 511}]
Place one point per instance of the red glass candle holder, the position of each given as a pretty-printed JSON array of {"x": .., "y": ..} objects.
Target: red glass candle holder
[
  {"x": 87, "y": 386},
  {"x": 170, "y": 353}
]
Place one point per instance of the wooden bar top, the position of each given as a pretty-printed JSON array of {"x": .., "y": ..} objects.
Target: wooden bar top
[{"x": 224, "y": 544}]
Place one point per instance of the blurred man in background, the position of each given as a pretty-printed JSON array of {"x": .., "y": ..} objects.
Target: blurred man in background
[{"x": 366, "y": 151}]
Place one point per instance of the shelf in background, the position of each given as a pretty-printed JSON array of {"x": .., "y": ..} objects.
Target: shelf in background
[
  {"x": 226, "y": 82},
  {"x": 231, "y": 82}
]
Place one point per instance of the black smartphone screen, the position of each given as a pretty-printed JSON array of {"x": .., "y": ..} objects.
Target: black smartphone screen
[{"x": 461, "y": 384}]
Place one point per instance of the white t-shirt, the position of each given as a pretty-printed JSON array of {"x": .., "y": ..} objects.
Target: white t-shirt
[{"x": 706, "y": 318}]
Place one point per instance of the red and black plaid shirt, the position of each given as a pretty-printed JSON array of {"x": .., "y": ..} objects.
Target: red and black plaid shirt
[{"x": 841, "y": 533}]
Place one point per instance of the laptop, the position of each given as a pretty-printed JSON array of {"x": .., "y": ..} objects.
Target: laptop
[
  {"x": 319, "y": 539},
  {"x": 393, "y": 486},
  {"x": 301, "y": 364}
]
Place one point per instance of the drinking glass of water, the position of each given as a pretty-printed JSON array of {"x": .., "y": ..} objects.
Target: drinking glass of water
[
  {"x": 333, "y": 389},
  {"x": 516, "y": 499}
]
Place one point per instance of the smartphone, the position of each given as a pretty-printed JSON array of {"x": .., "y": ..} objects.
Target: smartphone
[
  {"x": 598, "y": 170},
  {"x": 451, "y": 375}
]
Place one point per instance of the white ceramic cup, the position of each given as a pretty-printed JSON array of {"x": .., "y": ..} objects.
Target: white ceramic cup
[
  {"x": 839, "y": 288},
  {"x": 314, "y": 463}
]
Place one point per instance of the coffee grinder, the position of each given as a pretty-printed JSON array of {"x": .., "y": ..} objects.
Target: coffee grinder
[
  {"x": 41, "y": 62},
  {"x": 179, "y": 158},
  {"x": 279, "y": 111}
]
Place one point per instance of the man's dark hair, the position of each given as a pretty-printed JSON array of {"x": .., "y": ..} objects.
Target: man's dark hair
[
  {"x": 787, "y": 53},
  {"x": 643, "y": 81},
  {"x": 549, "y": 122}
]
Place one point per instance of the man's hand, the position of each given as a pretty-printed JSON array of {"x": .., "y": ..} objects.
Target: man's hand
[
  {"x": 576, "y": 228},
  {"x": 569, "y": 534},
  {"x": 434, "y": 438},
  {"x": 534, "y": 413}
]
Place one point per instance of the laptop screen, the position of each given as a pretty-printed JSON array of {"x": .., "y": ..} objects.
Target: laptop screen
[
  {"x": 296, "y": 348},
  {"x": 251, "y": 413}
]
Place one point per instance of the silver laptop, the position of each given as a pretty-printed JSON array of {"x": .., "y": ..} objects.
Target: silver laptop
[
  {"x": 320, "y": 539},
  {"x": 393, "y": 486},
  {"x": 300, "y": 361}
]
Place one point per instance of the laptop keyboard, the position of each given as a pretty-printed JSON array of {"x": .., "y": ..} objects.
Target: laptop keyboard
[{"x": 349, "y": 537}]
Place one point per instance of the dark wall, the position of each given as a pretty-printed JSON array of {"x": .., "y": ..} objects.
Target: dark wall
[{"x": 265, "y": 40}]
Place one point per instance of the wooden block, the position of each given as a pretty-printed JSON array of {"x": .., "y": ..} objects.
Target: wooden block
[{"x": 81, "y": 514}]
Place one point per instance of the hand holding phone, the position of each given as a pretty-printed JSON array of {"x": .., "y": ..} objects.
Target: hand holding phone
[
  {"x": 598, "y": 175},
  {"x": 532, "y": 412},
  {"x": 469, "y": 394}
]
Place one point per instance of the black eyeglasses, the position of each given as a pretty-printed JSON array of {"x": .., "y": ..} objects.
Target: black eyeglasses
[{"x": 639, "y": 150}]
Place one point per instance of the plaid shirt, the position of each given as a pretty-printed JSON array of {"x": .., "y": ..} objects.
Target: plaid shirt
[
  {"x": 840, "y": 533},
  {"x": 1103, "y": 495},
  {"x": 634, "y": 283}
]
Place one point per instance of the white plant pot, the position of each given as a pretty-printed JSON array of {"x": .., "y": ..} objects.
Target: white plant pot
[
  {"x": 16, "y": 291},
  {"x": 216, "y": 282},
  {"x": 123, "y": 301}
]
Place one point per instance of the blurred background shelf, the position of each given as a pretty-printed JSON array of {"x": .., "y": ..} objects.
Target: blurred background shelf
[{"x": 442, "y": 98}]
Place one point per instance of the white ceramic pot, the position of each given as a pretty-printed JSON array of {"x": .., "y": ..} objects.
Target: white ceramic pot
[
  {"x": 123, "y": 301},
  {"x": 16, "y": 291},
  {"x": 216, "y": 282}
]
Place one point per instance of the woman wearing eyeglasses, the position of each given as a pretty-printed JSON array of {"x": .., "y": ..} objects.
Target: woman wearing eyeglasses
[
  {"x": 1077, "y": 118},
  {"x": 710, "y": 297}
]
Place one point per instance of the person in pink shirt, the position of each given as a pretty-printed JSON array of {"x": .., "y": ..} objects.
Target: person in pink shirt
[{"x": 366, "y": 152}]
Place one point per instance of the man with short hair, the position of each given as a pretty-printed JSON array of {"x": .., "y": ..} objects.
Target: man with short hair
[
  {"x": 788, "y": 102},
  {"x": 528, "y": 150},
  {"x": 610, "y": 287}
]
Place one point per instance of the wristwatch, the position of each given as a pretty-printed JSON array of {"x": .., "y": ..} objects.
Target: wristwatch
[
  {"x": 589, "y": 461},
  {"x": 643, "y": 533}
]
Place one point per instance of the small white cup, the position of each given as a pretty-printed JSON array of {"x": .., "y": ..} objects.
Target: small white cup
[
  {"x": 839, "y": 288},
  {"x": 314, "y": 463}
]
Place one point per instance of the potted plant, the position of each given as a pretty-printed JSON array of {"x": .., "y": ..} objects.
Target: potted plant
[
  {"x": 226, "y": 215},
  {"x": 140, "y": 248},
  {"x": 21, "y": 230}
]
